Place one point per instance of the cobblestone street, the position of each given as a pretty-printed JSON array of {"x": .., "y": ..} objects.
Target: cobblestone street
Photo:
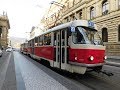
[{"x": 19, "y": 72}]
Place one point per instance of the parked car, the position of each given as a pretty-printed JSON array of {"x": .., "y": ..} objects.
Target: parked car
[
  {"x": 14, "y": 49},
  {"x": 9, "y": 49},
  {"x": 1, "y": 52}
]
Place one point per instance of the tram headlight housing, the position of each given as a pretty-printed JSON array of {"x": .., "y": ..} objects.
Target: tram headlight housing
[
  {"x": 91, "y": 58},
  {"x": 105, "y": 57}
]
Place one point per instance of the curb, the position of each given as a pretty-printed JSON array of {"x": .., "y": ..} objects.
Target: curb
[
  {"x": 113, "y": 64},
  {"x": 114, "y": 58}
]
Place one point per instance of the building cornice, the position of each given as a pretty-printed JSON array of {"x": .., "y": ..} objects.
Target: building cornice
[{"x": 73, "y": 9}]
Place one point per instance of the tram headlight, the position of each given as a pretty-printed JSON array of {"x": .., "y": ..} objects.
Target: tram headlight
[
  {"x": 105, "y": 57},
  {"x": 75, "y": 58},
  {"x": 91, "y": 58}
]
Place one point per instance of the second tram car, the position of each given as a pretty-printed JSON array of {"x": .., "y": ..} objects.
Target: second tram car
[
  {"x": 74, "y": 46},
  {"x": 23, "y": 48}
]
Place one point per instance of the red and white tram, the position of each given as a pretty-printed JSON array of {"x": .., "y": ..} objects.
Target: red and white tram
[
  {"x": 23, "y": 48},
  {"x": 74, "y": 46}
]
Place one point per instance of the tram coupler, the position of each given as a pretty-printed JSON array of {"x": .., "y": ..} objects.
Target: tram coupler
[{"x": 105, "y": 72}]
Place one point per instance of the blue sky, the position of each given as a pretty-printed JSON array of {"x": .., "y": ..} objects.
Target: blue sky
[{"x": 23, "y": 14}]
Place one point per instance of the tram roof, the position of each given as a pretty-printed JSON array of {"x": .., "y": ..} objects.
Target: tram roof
[{"x": 69, "y": 24}]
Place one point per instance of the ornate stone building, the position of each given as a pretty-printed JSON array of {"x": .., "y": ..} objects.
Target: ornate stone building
[
  {"x": 35, "y": 31},
  {"x": 105, "y": 13},
  {"x": 4, "y": 26}
]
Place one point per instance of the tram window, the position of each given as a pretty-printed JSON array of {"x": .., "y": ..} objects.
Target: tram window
[
  {"x": 69, "y": 31},
  {"x": 31, "y": 43},
  {"x": 47, "y": 39},
  {"x": 28, "y": 44},
  {"x": 40, "y": 40},
  {"x": 68, "y": 34},
  {"x": 77, "y": 37},
  {"x": 36, "y": 41},
  {"x": 63, "y": 38},
  {"x": 63, "y": 55},
  {"x": 54, "y": 38}
]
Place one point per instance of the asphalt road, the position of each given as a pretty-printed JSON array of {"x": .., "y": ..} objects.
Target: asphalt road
[{"x": 7, "y": 72}]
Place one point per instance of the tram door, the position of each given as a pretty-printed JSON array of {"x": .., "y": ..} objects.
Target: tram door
[{"x": 60, "y": 40}]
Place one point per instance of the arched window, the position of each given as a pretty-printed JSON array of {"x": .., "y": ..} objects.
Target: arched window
[
  {"x": 105, "y": 7},
  {"x": 72, "y": 17},
  {"x": 79, "y": 14},
  {"x": 92, "y": 12},
  {"x": 104, "y": 35},
  {"x": 118, "y": 4},
  {"x": 118, "y": 32}
]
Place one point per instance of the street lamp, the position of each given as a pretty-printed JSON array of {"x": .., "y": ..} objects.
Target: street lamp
[{"x": 58, "y": 4}]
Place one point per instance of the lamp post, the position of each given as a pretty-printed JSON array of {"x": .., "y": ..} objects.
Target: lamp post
[
  {"x": 59, "y": 5},
  {"x": 0, "y": 36}
]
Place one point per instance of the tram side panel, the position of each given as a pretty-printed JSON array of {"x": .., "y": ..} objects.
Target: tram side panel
[
  {"x": 29, "y": 50},
  {"x": 44, "y": 52}
]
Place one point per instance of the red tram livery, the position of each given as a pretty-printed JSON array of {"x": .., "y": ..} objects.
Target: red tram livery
[{"x": 74, "y": 46}]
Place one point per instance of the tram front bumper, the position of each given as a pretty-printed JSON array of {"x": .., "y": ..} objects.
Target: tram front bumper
[{"x": 87, "y": 65}]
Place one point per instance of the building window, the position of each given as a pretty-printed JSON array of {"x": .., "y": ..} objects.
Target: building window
[
  {"x": 0, "y": 32},
  {"x": 79, "y": 14},
  {"x": 105, "y": 7},
  {"x": 72, "y": 17},
  {"x": 118, "y": 4},
  {"x": 66, "y": 19},
  {"x": 92, "y": 12},
  {"x": 119, "y": 33},
  {"x": 104, "y": 35}
]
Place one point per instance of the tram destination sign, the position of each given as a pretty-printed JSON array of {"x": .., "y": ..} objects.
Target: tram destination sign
[{"x": 90, "y": 24}]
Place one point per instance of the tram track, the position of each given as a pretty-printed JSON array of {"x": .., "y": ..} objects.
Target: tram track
[{"x": 93, "y": 80}]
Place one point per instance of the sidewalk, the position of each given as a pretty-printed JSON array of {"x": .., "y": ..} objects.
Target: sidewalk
[
  {"x": 114, "y": 57},
  {"x": 113, "y": 61}
]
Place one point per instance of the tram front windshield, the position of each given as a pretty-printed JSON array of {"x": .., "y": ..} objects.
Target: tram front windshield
[{"x": 86, "y": 35}]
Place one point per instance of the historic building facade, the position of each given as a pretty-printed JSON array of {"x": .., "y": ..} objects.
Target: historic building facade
[
  {"x": 35, "y": 31},
  {"x": 105, "y": 13},
  {"x": 4, "y": 26}
]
